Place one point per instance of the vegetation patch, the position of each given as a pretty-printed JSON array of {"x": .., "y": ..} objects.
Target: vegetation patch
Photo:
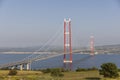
[
  {"x": 109, "y": 70},
  {"x": 12, "y": 72},
  {"x": 93, "y": 78},
  {"x": 56, "y": 72},
  {"x": 86, "y": 69}
]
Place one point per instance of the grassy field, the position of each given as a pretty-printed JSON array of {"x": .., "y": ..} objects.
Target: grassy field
[
  {"x": 37, "y": 75},
  {"x": 80, "y": 75}
]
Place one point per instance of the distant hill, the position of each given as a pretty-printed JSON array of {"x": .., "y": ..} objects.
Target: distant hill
[
  {"x": 99, "y": 49},
  {"x": 109, "y": 48}
]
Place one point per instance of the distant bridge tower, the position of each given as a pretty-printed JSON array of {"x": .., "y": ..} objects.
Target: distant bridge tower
[
  {"x": 67, "y": 42},
  {"x": 91, "y": 45}
]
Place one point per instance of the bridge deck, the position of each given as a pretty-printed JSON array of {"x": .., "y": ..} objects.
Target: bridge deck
[{"x": 30, "y": 60}]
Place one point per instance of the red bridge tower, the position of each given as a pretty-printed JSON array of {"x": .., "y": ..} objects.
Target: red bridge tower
[
  {"x": 92, "y": 45},
  {"x": 67, "y": 42}
]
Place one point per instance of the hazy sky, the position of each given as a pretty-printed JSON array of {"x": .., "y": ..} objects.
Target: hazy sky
[{"x": 31, "y": 22}]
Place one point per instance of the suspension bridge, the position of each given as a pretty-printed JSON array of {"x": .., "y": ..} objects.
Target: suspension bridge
[{"x": 27, "y": 61}]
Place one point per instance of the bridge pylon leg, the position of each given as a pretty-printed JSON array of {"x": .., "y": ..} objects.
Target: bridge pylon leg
[
  {"x": 21, "y": 67},
  {"x": 12, "y": 67},
  {"x": 28, "y": 66}
]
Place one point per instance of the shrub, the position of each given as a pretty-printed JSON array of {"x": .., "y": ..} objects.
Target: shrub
[
  {"x": 56, "y": 72},
  {"x": 118, "y": 70},
  {"x": 80, "y": 69},
  {"x": 46, "y": 70},
  {"x": 12, "y": 72},
  {"x": 5, "y": 68},
  {"x": 86, "y": 69},
  {"x": 109, "y": 70},
  {"x": 93, "y": 68}
]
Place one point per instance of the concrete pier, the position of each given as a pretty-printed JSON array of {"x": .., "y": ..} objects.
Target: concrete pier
[
  {"x": 21, "y": 67},
  {"x": 27, "y": 66}
]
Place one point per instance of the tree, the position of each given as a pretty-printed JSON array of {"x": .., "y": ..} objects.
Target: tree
[
  {"x": 12, "y": 72},
  {"x": 109, "y": 70},
  {"x": 56, "y": 72}
]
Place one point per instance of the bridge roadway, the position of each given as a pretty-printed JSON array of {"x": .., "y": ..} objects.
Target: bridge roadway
[{"x": 29, "y": 60}]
